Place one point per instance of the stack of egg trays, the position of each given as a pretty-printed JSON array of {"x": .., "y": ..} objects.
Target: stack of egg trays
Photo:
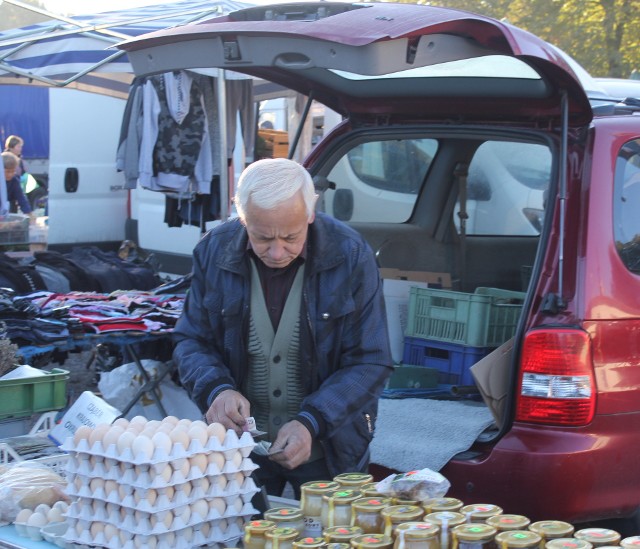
[{"x": 175, "y": 522}]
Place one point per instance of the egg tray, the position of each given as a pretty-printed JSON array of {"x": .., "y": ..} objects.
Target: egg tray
[
  {"x": 232, "y": 443},
  {"x": 221, "y": 533},
  {"x": 136, "y": 498},
  {"x": 153, "y": 476}
]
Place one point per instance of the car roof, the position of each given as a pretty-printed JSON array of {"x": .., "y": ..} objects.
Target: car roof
[
  {"x": 385, "y": 58},
  {"x": 620, "y": 88}
]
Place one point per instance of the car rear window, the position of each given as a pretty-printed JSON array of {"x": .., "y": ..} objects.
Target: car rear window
[{"x": 625, "y": 205}]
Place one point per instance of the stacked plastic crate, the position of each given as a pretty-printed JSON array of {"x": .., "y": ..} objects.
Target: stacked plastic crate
[{"x": 450, "y": 331}]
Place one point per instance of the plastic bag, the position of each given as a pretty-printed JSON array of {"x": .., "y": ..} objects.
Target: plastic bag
[
  {"x": 27, "y": 485},
  {"x": 414, "y": 485}
]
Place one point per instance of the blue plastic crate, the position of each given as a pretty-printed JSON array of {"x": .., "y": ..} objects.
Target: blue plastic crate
[{"x": 450, "y": 359}]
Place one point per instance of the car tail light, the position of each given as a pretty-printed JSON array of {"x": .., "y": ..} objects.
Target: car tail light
[{"x": 556, "y": 385}]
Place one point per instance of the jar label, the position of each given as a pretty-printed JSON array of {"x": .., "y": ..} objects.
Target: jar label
[{"x": 312, "y": 527}]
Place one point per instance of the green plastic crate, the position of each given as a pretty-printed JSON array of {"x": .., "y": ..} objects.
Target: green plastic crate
[
  {"x": 486, "y": 318},
  {"x": 24, "y": 397},
  {"x": 413, "y": 377}
]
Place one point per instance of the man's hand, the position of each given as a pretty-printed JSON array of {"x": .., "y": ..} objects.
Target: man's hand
[
  {"x": 229, "y": 408},
  {"x": 294, "y": 440}
]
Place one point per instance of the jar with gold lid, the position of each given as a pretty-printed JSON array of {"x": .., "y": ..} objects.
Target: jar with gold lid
[
  {"x": 286, "y": 516},
  {"x": 353, "y": 480},
  {"x": 417, "y": 535},
  {"x": 446, "y": 520},
  {"x": 433, "y": 505},
  {"x": 309, "y": 543},
  {"x": 480, "y": 512},
  {"x": 335, "y": 545},
  {"x": 311, "y": 504},
  {"x": 632, "y": 542},
  {"x": 336, "y": 507},
  {"x": 552, "y": 529},
  {"x": 518, "y": 539},
  {"x": 365, "y": 512},
  {"x": 254, "y": 533},
  {"x": 370, "y": 490},
  {"x": 281, "y": 537},
  {"x": 502, "y": 523},
  {"x": 568, "y": 543},
  {"x": 473, "y": 536},
  {"x": 598, "y": 536},
  {"x": 396, "y": 514},
  {"x": 372, "y": 541},
  {"x": 341, "y": 534}
]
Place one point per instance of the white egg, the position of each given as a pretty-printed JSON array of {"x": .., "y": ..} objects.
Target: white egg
[
  {"x": 170, "y": 492},
  {"x": 222, "y": 481},
  {"x": 170, "y": 539},
  {"x": 236, "y": 459},
  {"x": 181, "y": 465},
  {"x": 37, "y": 519},
  {"x": 171, "y": 420},
  {"x": 125, "y": 441},
  {"x": 187, "y": 534},
  {"x": 216, "y": 458},
  {"x": 138, "y": 420},
  {"x": 205, "y": 484},
  {"x": 80, "y": 529},
  {"x": 111, "y": 436},
  {"x": 123, "y": 491},
  {"x": 98, "y": 432},
  {"x": 162, "y": 441},
  {"x": 78, "y": 483},
  {"x": 198, "y": 432},
  {"x": 121, "y": 422},
  {"x": 218, "y": 505},
  {"x": 96, "y": 528},
  {"x": 200, "y": 508},
  {"x": 205, "y": 528},
  {"x": 165, "y": 473},
  {"x": 96, "y": 484},
  {"x": 42, "y": 508},
  {"x": 186, "y": 488},
  {"x": 180, "y": 436},
  {"x": 217, "y": 430},
  {"x": 142, "y": 447},
  {"x": 150, "y": 495},
  {"x": 199, "y": 461},
  {"x": 110, "y": 531},
  {"x": 23, "y": 516},
  {"x": 55, "y": 515},
  {"x": 186, "y": 423},
  {"x": 125, "y": 537},
  {"x": 82, "y": 433},
  {"x": 237, "y": 505},
  {"x": 62, "y": 505}
]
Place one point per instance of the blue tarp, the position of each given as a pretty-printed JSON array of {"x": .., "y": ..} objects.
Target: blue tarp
[{"x": 24, "y": 111}]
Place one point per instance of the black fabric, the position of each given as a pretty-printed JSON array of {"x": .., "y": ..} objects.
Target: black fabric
[
  {"x": 79, "y": 279},
  {"x": 141, "y": 276},
  {"x": 23, "y": 279},
  {"x": 110, "y": 277}
]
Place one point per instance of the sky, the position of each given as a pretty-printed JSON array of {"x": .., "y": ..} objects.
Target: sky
[{"x": 74, "y": 7}]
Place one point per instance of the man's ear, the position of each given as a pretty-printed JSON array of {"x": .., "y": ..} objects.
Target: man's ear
[{"x": 312, "y": 217}]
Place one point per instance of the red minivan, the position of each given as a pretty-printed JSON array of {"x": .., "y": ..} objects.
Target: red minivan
[{"x": 472, "y": 148}]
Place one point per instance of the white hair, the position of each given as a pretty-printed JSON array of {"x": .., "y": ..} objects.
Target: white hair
[{"x": 271, "y": 181}]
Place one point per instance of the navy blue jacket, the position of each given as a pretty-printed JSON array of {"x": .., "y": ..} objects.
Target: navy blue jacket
[{"x": 344, "y": 338}]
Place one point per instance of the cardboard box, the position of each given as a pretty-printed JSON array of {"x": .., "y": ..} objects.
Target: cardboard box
[
  {"x": 492, "y": 375},
  {"x": 89, "y": 410}
]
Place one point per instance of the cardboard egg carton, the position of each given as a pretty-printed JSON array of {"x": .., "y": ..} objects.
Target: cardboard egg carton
[
  {"x": 219, "y": 534},
  {"x": 169, "y": 497},
  {"x": 232, "y": 443}
]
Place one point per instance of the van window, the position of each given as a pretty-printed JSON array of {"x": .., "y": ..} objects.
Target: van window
[
  {"x": 506, "y": 188},
  {"x": 379, "y": 180},
  {"x": 625, "y": 205}
]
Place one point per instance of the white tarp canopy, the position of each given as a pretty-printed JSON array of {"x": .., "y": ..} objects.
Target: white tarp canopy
[{"x": 77, "y": 52}]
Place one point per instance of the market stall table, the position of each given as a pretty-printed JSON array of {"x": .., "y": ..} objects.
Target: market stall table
[{"x": 10, "y": 539}]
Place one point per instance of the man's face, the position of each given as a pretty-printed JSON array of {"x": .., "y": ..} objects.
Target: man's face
[
  {"x": 9, "y": 173},
  {"x": 277, "y": 236}
]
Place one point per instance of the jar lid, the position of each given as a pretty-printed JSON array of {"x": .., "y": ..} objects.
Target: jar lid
[
  {"x": 309, "y": 542},
  {"x": 432, "y": 505},
  {"x": 481, "y": 511},
  {"x": 370, "y": 489},
  {"x": 550, "y": 529},
  {"x": 280, "y": 514},
  {"x": 345, "y": 533},
  {"x": 633, "y": 541},
  {"x": 446, "y": 519},
  {"x": 370, "y": 504},
  {"x": 402, "y": 513},
  {"x": 319, "y": 487},
  {"x": 353, "y": 479},
  {"x": 283, "y": 533},
  {"x": 518, "y": 538},
  {"x": 342, "y": 496},
  {"x": 258, "y": 526},
  {"x": 474, "y": 532},
  {"x": 568, "y": 543},
  {"x": 598, "y": 536},
  {"x": 400, "y": 501},
  {"x": 417, "y": 530},
  {"x": 336, "y": 545},
  {"x": 371, "y": 540},
  {"x": 509, "y": 522}
]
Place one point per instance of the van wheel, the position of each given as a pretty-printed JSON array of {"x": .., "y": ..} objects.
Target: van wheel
[{"x": 38, "y": 198}]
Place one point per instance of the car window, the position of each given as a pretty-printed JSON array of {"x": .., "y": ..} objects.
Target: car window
[
  {"x": 506, "y": 188},
  {"x": 625, "y": 205},
  {"x": 379, "y": 180}
]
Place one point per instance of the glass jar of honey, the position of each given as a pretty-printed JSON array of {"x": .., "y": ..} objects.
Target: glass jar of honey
[
  {"x": 311, "y": 504},
  {"x": 281, "y": 538},
  {"x": 372, "y": 541},
  {"x": 365, "y": 513},
  {"x": 518, "y": 539},
  {"x": 433, "y": 505},
  {"x": 254, "y": 533},
  {"x": 568, "y": 543},
  {"x": 598, "y": 536},
  {"x": 473, "y": 536},
  {"x": 502, "y": 523},
  {"x": 552, "y": 529},
  {"x": 309, "y": 543},
  {"x": 480, "y": 512},
  {"x": 446, "y": 520},
  {"x": 336, "y": 507},
  {"x": 417, "y": 535},
  {"x": 286, "y": 516},
  {"x": 370, "y": 490},
  {"x": 341, "y": 534},
  {"x": 396, "y": 514},
  {"x": 353, "y": 480},
  {"x": 632, "y": 542}
]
